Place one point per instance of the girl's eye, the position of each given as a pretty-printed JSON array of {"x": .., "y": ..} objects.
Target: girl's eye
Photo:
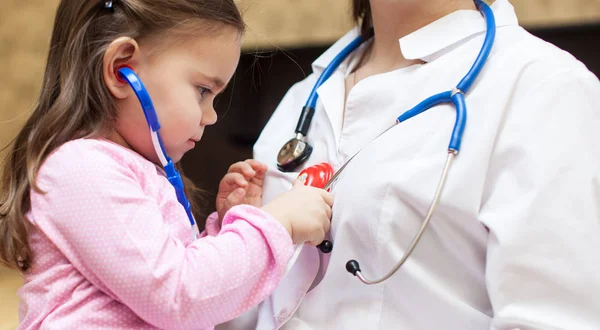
[{"x": 204, "y": 91}]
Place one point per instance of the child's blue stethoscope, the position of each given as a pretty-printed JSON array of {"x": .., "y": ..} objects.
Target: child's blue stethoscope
[
  {"x": 297, "y": 150},
  {"x": 126, "y": 74}
]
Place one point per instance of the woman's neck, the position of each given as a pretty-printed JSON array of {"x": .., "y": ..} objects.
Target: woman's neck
[{"x": 394, "y": 19}]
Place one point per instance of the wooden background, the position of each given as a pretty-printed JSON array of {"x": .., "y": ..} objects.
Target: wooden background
[
  {"x": 25, "y": 27},
  {"x": 293, "y": 22}
]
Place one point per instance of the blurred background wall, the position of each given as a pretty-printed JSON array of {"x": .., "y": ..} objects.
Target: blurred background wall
[{"x": 284, "y": 37}]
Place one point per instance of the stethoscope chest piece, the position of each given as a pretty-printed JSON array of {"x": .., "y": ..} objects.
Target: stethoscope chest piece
[{"x": 293, "y": 153}]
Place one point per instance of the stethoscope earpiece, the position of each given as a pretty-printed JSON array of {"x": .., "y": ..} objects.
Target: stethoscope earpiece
[
  {"x": 325, "y": 246},
  {"x": 119, "y": 75},
  {"x": 352, "y": 267}
]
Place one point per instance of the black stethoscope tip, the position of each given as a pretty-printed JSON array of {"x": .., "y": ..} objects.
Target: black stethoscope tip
[
  {"x": 325, "y": 246},
  {"x": 352, "y": 267}
]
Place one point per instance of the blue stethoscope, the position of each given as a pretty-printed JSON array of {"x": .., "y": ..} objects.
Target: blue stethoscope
[
  {"x": 297, "y": 150},
  {"x": 126, "y": 74}
]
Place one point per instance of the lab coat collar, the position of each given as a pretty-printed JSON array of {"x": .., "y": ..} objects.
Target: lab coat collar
[
  {"x": 434, "y": 40},
  {"x": 438, "y": 38}
]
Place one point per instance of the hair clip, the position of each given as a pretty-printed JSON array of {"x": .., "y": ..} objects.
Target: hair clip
[{"x": 109, "y": 5}]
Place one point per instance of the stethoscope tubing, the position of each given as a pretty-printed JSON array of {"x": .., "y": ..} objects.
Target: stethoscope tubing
[
  {"x": 126, "y": 74},
  {"x": 457, "y": 98}
]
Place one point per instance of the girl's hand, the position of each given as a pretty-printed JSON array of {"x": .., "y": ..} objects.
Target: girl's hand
[
  {"x": 304, "y": 211},
  {"x": 241, "y": 185}
]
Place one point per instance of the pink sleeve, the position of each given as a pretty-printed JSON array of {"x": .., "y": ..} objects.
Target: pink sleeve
[
  {"x": 97, "y": 214},
  {"x": 212, "y": 226}
]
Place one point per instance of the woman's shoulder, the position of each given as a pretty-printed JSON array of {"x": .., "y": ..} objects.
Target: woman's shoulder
[{"x": 537, "y": 58}]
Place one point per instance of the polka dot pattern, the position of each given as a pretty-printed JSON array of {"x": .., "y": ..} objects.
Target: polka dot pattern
[{"x": 113, "y": 250}]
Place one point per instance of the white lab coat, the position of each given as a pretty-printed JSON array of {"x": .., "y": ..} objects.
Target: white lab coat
[{"x": 515, "y": 241}]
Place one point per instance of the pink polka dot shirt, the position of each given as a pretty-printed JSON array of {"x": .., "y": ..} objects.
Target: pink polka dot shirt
[{"x": 112, "y": 249}]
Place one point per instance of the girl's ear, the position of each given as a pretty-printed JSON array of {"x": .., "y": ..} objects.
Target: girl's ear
[{"x": 123, "y": 51}]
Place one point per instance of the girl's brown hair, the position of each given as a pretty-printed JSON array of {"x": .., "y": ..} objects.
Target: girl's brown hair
[
  {"x": 361, "y": 13},
  {"x": 74, "y": 102}
]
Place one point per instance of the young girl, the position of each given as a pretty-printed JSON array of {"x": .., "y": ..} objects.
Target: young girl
[{"x": 89, "y": 217}]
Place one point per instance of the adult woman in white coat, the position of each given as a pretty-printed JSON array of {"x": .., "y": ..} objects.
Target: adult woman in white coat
[{"x": 514, "y": 241}]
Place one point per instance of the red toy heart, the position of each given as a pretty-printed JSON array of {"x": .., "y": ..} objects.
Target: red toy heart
[{"x": 317, "y": 175}]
